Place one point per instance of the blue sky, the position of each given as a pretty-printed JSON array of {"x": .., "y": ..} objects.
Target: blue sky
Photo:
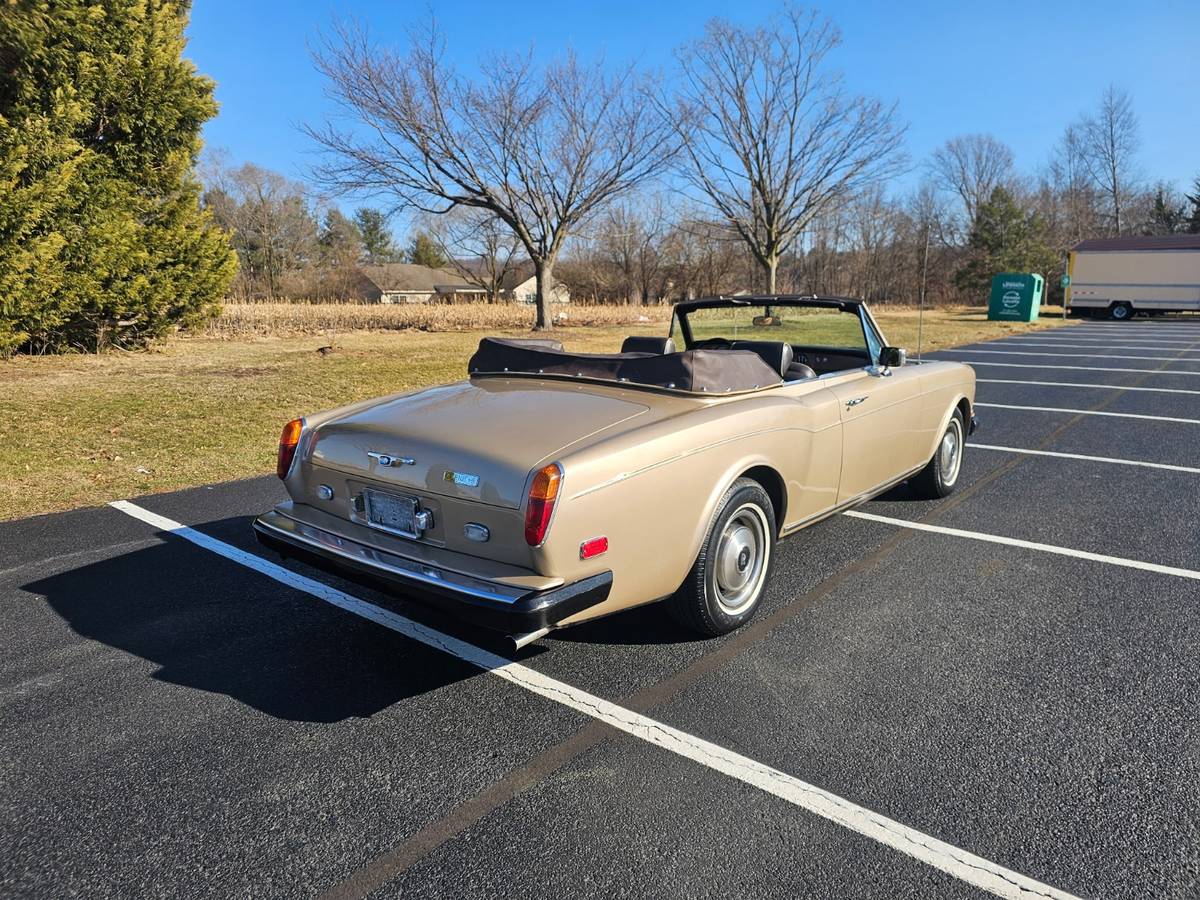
[{"x": 1020, "y": 70}]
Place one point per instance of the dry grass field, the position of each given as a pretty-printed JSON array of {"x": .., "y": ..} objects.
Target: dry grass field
[
  {"x": 79, "y": 430},
  {"x": 239, "y": 320}
]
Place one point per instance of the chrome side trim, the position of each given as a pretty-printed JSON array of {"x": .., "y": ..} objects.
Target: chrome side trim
[{"x": 387, "y": 563}]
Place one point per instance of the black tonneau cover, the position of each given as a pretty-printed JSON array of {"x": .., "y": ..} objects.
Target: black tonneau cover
[{"x": 701, "y": 371}]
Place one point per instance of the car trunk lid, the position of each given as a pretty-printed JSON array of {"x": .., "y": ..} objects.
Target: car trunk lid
[{"x": 473, "y": 441}]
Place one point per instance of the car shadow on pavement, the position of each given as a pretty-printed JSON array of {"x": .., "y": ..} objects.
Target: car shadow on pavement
[
  {"x": 213, "y": 625},
  {"x": 901, "y": 493},
  {"x": 643, "y": 625}
]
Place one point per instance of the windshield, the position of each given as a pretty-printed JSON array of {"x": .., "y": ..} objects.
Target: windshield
[{"x": 800, "y": 326}]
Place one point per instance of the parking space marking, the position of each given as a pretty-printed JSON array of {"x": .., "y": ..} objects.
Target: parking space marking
[
  {"x": 1159, "y": 371},
  {"x": 1139, "y": 326},
  {"x": 1098, "y": 345},
  {"x": 1029, "y": 545},
  {"x": 1092, "y": 412},
  {"x": 1062, "y": 355},
  {"x": 960, "y": 864},
  {"x": 1119, "y": 330},
  {"x": 1080, "y": 456},
  {"x": 1080, "y": 384},
  {"x": 1094, "y": 337}
]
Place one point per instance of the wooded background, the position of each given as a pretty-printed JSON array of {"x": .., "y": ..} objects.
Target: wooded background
[{"x": 749, "y": 166}]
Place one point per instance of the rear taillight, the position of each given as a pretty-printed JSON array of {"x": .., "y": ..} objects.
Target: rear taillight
[
  {"x": 288, "y": 442},
  {"x": 542, "y": 495}
]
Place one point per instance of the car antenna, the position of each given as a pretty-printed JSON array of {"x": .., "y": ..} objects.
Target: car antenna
[{"x": 921, "y": 296}]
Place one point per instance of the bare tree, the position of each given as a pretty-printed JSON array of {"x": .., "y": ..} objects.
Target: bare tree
[
  {"x": 630, "y": 237},
  {"x": 771, "y": 138},
  {"x": 1072, "y": 185},
  {"x": 271, "y": 219},
  {"x": 972, "y": 166},
  {"x": 478, "y": 246},
  {"x": 1110, "y": 143},
  {"x": 543, "y": 149}
]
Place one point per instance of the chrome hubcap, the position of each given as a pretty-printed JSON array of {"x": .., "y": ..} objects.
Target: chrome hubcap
[
  {"x": 950, "y": 453},
  {"x": 741, "y": 560}
]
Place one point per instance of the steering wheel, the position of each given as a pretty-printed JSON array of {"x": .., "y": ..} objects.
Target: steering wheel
[{"x": 713, "y": 343}]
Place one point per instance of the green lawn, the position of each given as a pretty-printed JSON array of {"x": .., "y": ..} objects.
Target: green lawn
[{"x": 81, "y": 430}]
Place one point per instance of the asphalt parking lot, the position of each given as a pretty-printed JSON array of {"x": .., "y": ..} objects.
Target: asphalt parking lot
[{"x": 1004, "y": 700}]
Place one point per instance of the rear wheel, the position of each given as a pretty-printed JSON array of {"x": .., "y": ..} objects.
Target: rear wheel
[
  {"x": 724, "y": 588},
  {"x": 1120, "y": 311},
  {"x": 939, "y": 477}
]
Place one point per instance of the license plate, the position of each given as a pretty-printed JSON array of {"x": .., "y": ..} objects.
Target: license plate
[{"x": 392, "y": 512}]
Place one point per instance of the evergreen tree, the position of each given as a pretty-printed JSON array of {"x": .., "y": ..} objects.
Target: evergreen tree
[
  {"x": 1165, "y": 216},
  {"x": 376, "y": 238},
  {"x": 423, "y": 251},
  {"x": 340, "y": 242},
  {"x": 1192, "y": 225},
  {"x": 102, "y": 238},
  {"x": 1005, "y": 238}
]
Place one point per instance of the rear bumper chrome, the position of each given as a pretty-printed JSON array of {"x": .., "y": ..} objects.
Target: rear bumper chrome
[{"x": 488, "y": 603}]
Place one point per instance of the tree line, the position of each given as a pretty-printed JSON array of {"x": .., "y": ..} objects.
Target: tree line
[
  {"x": 293, "y": 243},
  {"x": 748, "y": 166},
  {"x": 752, "y": 168}
]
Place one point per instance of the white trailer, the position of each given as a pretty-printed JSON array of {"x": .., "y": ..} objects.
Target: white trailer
[{"x": 1119, "y": 277}]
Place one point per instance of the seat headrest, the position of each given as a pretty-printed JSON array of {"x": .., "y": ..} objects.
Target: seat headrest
[
  {"x": 776, "y": 354},
  {"x": 641, "y": 344}
]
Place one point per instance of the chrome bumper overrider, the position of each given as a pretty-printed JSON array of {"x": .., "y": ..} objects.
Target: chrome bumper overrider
[{"x": 487, "y": 602}]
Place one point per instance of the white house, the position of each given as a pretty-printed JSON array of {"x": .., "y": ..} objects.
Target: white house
[
  {"x": 521, "y": 285},
  {"x": 408, "y": 283}
]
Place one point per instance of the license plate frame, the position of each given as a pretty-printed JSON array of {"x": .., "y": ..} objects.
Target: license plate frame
[{"x": 393, "y": 513}]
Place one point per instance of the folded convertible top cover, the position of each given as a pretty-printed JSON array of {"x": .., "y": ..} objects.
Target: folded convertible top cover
[{"x": 707, "y": 371}]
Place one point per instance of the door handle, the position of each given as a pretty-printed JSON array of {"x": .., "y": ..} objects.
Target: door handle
[{"x": 854, "y": 401}]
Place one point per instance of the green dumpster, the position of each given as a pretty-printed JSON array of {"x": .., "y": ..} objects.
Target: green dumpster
[{"x": 1016, "y": 297}]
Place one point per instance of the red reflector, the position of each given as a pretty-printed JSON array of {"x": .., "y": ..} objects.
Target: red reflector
[{"x": 594, "y": 547}]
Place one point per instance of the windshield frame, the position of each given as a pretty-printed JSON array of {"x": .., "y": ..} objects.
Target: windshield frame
[{"x": 873, "y": 339}]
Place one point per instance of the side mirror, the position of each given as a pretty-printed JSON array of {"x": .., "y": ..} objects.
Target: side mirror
[{"x": 892, "y": 356}]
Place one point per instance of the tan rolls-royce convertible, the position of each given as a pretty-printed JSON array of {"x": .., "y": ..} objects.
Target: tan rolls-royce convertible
[{"x": 551, "y": 487}]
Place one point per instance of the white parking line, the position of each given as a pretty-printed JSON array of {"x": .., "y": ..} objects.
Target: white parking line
[
  {"x": 1102, "y": 459},
  {"x": 972, "y": 362},
  {"x": 1140, "y": 326},
  {"x": 960, "y": 864},
  {"x": 1125, "y": 329},
  {"x": 1177, "y": 325},
  {"x": 1062, "y": 355},
  {"x": 1030, "y": 545},
  {"x": 1165, "y": 337},
  {"x": 1088, "y": 344},
  {"x": 1073, "y": 384},
  {"x": 1091, "y": 412}
]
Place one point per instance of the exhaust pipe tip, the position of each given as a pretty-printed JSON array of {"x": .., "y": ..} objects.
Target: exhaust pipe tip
[{"x": 517, "y": 641}]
